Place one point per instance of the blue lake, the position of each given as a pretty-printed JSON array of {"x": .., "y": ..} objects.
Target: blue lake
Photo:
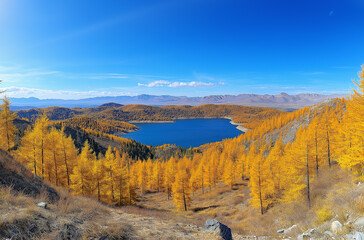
[{"x": 184, "y": 132}]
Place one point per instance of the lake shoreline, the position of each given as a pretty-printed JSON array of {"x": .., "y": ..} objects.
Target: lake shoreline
[
  {"x": 151, "y": 121},
  {"x": 239, "y": 126}
]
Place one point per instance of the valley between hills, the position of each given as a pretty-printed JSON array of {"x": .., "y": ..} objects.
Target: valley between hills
[{"x": 65, "y": 173}]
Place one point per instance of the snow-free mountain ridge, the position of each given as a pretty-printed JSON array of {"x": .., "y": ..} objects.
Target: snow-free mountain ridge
[{"x": 282, "y": 100}]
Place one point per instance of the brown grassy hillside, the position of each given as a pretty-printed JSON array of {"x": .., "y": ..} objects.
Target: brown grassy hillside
[
  {"x": 81, "y": 218},
  {"x": 69, "y": 217},
  {"x": 20, "y": 179},
  {"x": 127, "y": 113}
]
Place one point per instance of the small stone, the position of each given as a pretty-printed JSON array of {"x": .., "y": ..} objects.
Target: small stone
[
  {"x": 287, "y": 230},
  {"x": 42, "y": 205},
  {"x": 304, "y": 236},
  {"x": 328, "y": 233},
  {"x": 359, "y": 222},
  {"x": 290, "y": 229},
  {"x": 348, "y": 223},
  {"x": 336, "y": 227}
]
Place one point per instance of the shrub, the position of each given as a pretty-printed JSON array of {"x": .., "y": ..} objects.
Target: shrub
[{"x": 323, "y": 214}]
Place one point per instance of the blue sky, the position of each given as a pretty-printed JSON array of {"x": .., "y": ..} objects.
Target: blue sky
[{"x": 76, "y": 49}]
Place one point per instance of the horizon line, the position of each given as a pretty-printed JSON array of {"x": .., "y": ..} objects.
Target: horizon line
[{"x": 184, "y": 96}]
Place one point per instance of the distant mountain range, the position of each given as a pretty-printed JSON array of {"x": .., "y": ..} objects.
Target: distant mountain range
[{"x": 282, "y": 100}]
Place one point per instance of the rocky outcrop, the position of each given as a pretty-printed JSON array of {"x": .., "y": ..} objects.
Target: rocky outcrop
[{"x": 336, "y": 230}]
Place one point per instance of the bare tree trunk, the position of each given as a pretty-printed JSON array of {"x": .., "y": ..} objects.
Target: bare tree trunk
[
  {"x": 98, "y": 190},
  {"x": 308, "y": 179},
  {"x": 42, "y": 157},
  {"x": 112, "y": 185},
  {"x": 120, "y": 190},
  {"x": 328, "y": 147},
  {"x": 202, "y": 181},
  {"x": 82, "y": 186},
  {"x": 129, "y": 194},
  {"x": 260, "y": 192},
  {"x": 7, "y": 132},
  {"x": 55, "y": 166},
  {"x": 184, "y": 199},
  {"x": 66, "y": 163},
  {"x": 34, "y": 160},
  {"x": 316, "y": 153}
]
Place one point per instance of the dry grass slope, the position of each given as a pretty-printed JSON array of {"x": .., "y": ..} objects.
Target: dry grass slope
[
  {"x": 334, "y": 190},
  {"x": 20, "y": 179},
  {"x": 82, "y": 218}
]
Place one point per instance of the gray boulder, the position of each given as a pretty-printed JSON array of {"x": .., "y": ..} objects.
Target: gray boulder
[
  {"x": 358, "y": 236},
  {"x": 212, "y": 225}
]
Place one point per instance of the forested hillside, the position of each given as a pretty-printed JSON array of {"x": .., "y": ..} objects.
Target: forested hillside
[
  {"x": 99, "y": 125},
  {"x": 117, "y": 115},
  {"x": 94, "y": 124},
  {"x": 280, "y": 159}
]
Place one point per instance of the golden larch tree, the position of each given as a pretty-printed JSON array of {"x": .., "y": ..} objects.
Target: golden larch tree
[
  {"x": 7, "y": 127},
  {"x": 353, "y": 127},
  {"x": 81, "y": 178},
  {"x": 181, "y": 190},
  {"x": 41, "y": 130}
]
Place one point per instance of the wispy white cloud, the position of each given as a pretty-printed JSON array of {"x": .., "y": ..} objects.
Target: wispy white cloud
[
  {"x": 12, "y": 74},
  {"x": 13, "y": 77},
  {"x": 344, "y": 67},
  {"x": 314, "y": 73},
  {"x": 310, "y": 73},
  {"x": 19, "y": 92},
  {"x": 276, "y": 89},
  {"x": 176, "y": 84},
  {"x": 107, "y": 76}
]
